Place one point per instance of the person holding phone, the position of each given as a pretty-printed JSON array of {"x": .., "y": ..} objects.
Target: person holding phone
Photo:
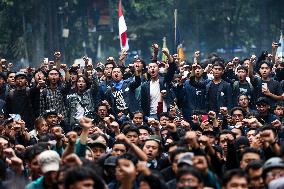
[
  {"x": 18, "y": 100},
  {"x": 265, "y": 86}
]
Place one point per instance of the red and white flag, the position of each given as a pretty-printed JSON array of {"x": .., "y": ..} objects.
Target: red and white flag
[{"x": 122, "y": 28}]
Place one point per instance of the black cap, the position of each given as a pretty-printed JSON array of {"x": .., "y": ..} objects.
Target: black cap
[
  {"x": 50, "y": 112},
  {"x": 110, "y": 161}
]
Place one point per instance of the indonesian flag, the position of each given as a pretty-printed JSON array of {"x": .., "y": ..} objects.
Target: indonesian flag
[{"x": 122, "y": 28}]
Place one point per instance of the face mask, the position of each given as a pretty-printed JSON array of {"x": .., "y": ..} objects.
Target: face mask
[{"x": 162, "y": 70}]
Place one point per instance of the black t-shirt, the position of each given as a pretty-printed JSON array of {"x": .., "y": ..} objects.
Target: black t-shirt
[
  {"x": 273, "y": 86},
  {"x": 212, "y": 97}
]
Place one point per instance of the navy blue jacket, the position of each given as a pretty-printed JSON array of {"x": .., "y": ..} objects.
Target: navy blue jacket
[
  {"x": 164, "y": 85},
  {"x": 192, "y": 97},
  {"x": 224, "y": 96}
]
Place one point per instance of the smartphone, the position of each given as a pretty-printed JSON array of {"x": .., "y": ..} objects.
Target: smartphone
[
  {"x": 45, "y": 60},
  {"x": 205, "y": 117},
  {"x": 264, "y": 85}
]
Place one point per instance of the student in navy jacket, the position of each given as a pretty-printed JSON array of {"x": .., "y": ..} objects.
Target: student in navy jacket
[
  {"x": 218, "y": 92},
  {"x": 151, "y": 90}
]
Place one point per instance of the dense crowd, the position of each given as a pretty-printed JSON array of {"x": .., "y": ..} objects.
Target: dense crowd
[{"x": 204, "y": 123}]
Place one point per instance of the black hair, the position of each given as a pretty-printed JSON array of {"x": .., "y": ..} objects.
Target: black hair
[
  {"x": 110, "y": 62},
  {"x": 32, "y": 152},
  {"x": 10, "y": 72},
  {"x": 269, "y": 127},
  {"x": 154, "y": 181},
  {"x": 136, "y": 112},
  {"x": 77, "y": 174},
  {"x": 131, "y": 129},
  {"x": 243, "y": 94},
  {"x": 277, "y": 104},
  {"x": 121, "y": 142},
  {"x": 160, "y": 145},
  {"x": 147, "y": 129},
  {"x": 243, "y": 61},
  {"x": 226, "y": 131},
  {"x": 165, "y": 114},
  {"x": 219, "y": 62},
  {"x": 53, "y": 70},
  {"x": 252, "y": 129},
  {"x": 238, "y": 108},
  {"x": 265, "y": 62},
  {"x": 242, "y": 68},
  {"x": 254, "y": 165},
  {"x": 38, "y": 71},
  {"x": 250, "y": 150},
  {"x": 176, "y": 152},
  {"x": 97, "y": 135},
  {"x": 87, "y": 80},
  {"x": 47, "y": 80},
  {"x": 189, "y": 170},
  {"x": 128, "y": 156},
  {"x": 232, "y": 173}
]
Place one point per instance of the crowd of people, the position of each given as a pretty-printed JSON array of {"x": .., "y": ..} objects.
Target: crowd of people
[{"x": 204, "y": 123}]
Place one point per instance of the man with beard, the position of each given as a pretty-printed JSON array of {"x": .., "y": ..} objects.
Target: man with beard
[{"x": 53, "y": 96}]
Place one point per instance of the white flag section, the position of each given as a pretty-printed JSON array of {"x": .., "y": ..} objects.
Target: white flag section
[
  {"x": 122, "y": 29},
  {"x": 280, "y": 50}
]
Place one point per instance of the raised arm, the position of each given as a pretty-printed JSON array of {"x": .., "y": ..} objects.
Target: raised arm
[{"x": 155, "y": 48}]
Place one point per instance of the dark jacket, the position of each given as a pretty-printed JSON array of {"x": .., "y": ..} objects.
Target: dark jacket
[
  {"x": 128, "y": 93},
  {"x": 88, "y": 101},
  {"x": 193, "y": 97},
  {"x": 224, "y": 95},
  {"x": 164, "y": 85},
  {"x": 19, "y": 102}
]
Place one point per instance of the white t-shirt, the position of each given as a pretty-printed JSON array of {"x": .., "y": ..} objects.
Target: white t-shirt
[{"x": 154, "y": 96}]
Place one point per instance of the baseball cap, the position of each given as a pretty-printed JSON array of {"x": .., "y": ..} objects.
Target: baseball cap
[
  {"x": 18, "y": 74},
  {"x": 49, "y": 161},
  {"x": 110, "y": 161},
  {"x": 156, "y": 138},
  {"x": 186, "y": 158},
  {"x": 274, "y": 162},
  {"x": 50, "y": 112}
]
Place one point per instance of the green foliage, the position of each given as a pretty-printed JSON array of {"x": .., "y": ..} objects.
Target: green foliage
[{"x": 32, "y": 28}]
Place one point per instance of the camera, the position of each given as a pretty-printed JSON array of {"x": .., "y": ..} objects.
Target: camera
[{"x": 278, "y": 44}]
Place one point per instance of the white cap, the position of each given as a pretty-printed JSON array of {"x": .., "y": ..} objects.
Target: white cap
[{"x": 49, "y": 161}]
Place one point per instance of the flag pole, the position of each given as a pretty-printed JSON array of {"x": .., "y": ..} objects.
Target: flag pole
[{"x": 175, "y": 17}]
